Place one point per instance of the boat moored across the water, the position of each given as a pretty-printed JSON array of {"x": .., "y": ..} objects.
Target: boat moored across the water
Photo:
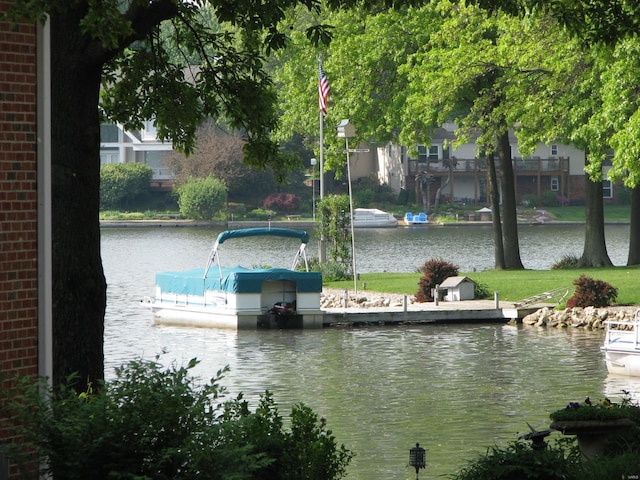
[
  {"x": 417, "y": 219},
  {"x": 239, "y": 297},
  {"x": 373, "y": 218},
  {"x": 622, "y": 346}
]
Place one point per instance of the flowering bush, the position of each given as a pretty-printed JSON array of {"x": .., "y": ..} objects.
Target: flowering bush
[{"x": 282, "y": 202}]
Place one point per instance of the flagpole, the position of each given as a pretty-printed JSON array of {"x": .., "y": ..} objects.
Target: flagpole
[{"x": 322, "y": 251}]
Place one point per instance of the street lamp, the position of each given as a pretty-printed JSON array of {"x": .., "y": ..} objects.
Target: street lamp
[
  {"x": 313, "y": 185},
  {"x": 417, "y": 458},
  {"x": 346, "y": 130}
]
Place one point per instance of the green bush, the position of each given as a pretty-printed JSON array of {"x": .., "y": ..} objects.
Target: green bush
[
  {"x": 122, "y": 183},
  {"x": 363, "y": 197},
  {"x": 518, "y": 461},
  {"x": 201, "y": 198},
  {"x": 549, "y": 199},
  {"x": 151, "y": 423}
]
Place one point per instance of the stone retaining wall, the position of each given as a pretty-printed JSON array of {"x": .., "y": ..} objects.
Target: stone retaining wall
[
  {"x": 335, "y": 298},
  {"x": 589, "y": 317}
]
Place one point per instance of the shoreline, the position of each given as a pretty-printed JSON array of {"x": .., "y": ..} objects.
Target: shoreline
[{"x": 232, "y": 225}]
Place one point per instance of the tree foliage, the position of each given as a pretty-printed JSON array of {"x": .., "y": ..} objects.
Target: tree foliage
[
  {"x": 219, "y": 153},
  {"x": 121, "y": 183},
  {"x": 333, "y": 224},
  {"x": 151, "y": 422}
]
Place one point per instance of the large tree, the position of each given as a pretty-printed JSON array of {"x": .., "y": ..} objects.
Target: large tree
[
  {"x": 109, "y": 61},
  {"x": 609, "y": 23}
]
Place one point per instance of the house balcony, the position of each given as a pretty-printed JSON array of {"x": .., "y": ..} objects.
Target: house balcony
[{"x": 526, "y": 166}]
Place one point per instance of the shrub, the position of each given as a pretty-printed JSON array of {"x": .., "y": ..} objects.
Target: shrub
[
  {"x": 363, "y": 197},
  {"x": 592, "y": 293},
  {"x": 154, "y": 423},
  {"x": 201, "y": 198},
  {"x": 435, "y": 271},
  {"x": 282, "y": 202},
  {"x": 261, "y": 214},
  {"x": 529, "y": 200},
  {"x": 549, "y": 199},
  {"x": 121, "y": 183},
  {"x": 518, "y": 461},
  {"x": 566, "y": 262}
]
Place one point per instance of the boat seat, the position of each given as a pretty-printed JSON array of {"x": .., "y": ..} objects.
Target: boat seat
[
  {"x": 422, "y": 217},
  {"x": 408, "y": 216}
]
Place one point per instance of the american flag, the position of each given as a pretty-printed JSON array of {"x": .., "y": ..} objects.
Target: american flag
[{"x": 323, "y": 88}]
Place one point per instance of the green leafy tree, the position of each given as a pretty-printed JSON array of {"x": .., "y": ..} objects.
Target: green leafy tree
[
  {"x": 110, "y": 62},
  {"x": 151, "y": 422},
  {"x": 598, "y": 23},
  {"x": 201, "y": 198},
  {"x": 121, "y": 183}
]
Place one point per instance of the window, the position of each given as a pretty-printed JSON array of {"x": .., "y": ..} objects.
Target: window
[
  {"x": 149, "y": 132},
  {"x": 607, "y": 189},
  {"x": 109, "y": 156},
  {"x": 554, "y": 150},
  {"x": 109, "y": 133},
  {"x": 555, "y": 184},
  {"x": 425, "y": 154}
]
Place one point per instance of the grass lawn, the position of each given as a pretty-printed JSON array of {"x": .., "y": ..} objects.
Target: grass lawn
[{"x": 512, "y": 285}]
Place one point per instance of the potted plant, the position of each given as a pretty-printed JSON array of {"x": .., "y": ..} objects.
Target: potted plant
[{"x": 593, "y": 423}]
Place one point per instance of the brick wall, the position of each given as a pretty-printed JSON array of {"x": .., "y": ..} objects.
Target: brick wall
[{"x": 18, "y": 203}]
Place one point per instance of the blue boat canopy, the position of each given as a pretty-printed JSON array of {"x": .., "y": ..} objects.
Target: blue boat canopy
[
  {"x": 235, "y": 280},
  {"x": 257, "y": 232}
]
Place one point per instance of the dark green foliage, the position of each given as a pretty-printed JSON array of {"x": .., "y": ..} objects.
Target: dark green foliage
[
  {"x": 333, "y": 223},
  {"x": 566, "y": 262},
  {"x": 435, "y": 271},
  {"x": 592, "y": 293},
  {"x": 122, "y": 183},
  {"x": 481, "y": 291},
  {"x": 363, "y": 197},
  {"x": 151, "y": 423},
  {"x": 518, "y": 461},
  {"x": 549, "y": 199},
  {"x": 201, "y": 198}
]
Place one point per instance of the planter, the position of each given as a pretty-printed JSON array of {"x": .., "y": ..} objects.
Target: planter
[{"x": 592, "y": 434}]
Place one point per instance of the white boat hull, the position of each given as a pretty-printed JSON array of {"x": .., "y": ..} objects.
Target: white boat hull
[
  {"x": 623, "y": 363},
  {"x": 622, "y": 346}
]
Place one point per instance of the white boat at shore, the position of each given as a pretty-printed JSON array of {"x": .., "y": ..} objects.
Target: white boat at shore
[
  {"x": 373, "y": 218},
  {"x": 622, "y": 346},
  {"x": 241, "y": 297}
]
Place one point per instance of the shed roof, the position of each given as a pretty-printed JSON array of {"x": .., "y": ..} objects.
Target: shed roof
[{"x": 455, "y": 281}]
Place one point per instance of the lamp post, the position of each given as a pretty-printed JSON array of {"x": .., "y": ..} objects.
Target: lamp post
[
  {"x": 313, "y": 185},
  {"x": 346, "y": 130},
  {"x": 417, "y": 458}
]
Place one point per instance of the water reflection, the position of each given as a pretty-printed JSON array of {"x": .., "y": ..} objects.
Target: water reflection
[{"x": 455, "y": 389}]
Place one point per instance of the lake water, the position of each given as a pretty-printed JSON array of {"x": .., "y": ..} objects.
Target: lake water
[{"x": 456, "y": 389}]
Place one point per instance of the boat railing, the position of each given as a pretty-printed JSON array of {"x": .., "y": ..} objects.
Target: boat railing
[{"x": 623, "y": 331}]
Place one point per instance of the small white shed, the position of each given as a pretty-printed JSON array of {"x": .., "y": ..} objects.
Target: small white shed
[{"x": 458, "y": 288}]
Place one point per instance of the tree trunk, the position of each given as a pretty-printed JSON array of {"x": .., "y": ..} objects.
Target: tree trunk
[
  {"x": 494, "y": 193},
  {"x": 595, "y": 247},
  {"x": 512, "y": 259},
  {"x": 634, "y": 230},
  {"x": 79, "y": 286}
]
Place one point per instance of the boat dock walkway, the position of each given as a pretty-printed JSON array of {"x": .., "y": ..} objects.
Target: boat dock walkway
[{"x": 429, "y": 312}]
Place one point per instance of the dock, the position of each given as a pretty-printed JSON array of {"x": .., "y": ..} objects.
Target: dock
[{"x": 465, "y": 311}]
